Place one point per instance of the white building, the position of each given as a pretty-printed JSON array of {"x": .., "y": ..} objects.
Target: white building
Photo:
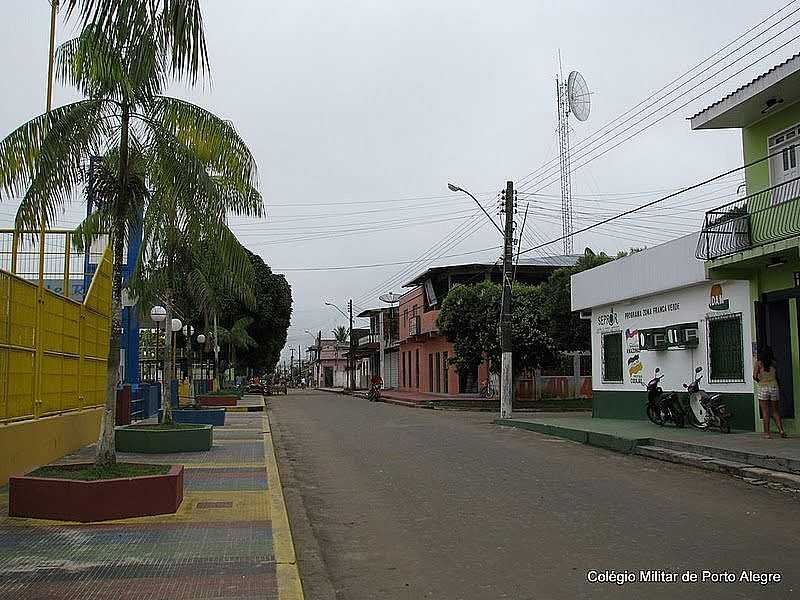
[{"x": 656, "y": 308}]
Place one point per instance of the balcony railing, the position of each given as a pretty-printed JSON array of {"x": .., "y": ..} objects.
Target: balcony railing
[
  {"x": 771, "y": 215},
  {"x": 372, "y": 338}
]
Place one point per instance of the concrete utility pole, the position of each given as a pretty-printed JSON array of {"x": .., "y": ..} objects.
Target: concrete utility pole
[
  {"x": 506, "y": 376},
  {"x": 352, "y": 360}
]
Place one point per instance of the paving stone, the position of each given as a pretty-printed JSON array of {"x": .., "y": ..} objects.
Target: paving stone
[{"x": 218, "y": 546}]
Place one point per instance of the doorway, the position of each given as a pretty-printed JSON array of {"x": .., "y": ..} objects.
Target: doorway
[
  {"x": 328, "y": 375},
  {"x": 468, "y": 382},
  {"x": 776, "y": 332}
]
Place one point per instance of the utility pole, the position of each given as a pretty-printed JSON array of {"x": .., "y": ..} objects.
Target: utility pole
[
  {"x": 291, "y": 364},
  {"x": 352, "y": 360},
  {"x": 506, "y": 376}
]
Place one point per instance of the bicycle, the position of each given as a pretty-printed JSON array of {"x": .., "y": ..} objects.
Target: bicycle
[{"x": 487, "y": 389}]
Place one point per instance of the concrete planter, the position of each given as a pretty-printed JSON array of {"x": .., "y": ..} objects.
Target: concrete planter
[
  {"x": 200, "y": 416},
  {"x": 102, "y": 500},
  {"x": 133, "y": 438},
  {"x": 217, "y": 400}
]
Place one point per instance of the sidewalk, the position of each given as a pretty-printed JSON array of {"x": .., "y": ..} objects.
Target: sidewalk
[
  {"x": 737, "y": 453},
  {"x": 229, "y": 539}
]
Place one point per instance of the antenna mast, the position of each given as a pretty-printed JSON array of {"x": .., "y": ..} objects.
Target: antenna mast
[{"x": 562, "y": 102}]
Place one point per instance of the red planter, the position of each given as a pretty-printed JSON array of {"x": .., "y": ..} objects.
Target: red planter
[
  {"x": 217, "y": 400},
  {"x": 87, "y": 501}
]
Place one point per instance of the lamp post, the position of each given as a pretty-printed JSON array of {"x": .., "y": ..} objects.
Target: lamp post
[
  {"x": 188, "y": 331},
  {"x": 157, "y": 315},
  {"x": 201, "y": 339},
  {"x": 351, "y": 359},
  {"x": 506, "y": 346}
]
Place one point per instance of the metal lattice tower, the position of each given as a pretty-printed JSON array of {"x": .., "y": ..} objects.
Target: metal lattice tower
[{"x": 562, "y": 101}]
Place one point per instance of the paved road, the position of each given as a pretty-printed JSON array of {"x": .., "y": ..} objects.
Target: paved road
[{"x": 412, "y": 504}]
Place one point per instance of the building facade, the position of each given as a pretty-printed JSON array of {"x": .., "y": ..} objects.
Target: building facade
[
  {"x": 756, "y": 237},
  {"x": 423, "y": 353},
  {"x": 656, "y": 309}
]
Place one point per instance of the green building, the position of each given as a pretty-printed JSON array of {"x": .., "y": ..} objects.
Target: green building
[{"x": 757, "y": 236}]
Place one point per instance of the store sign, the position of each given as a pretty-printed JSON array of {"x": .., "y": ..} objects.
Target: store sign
[
  {"x": 650, "y": 311},
  {"x": 717, "y": 299},
  {"x": 609, "y": 319}
]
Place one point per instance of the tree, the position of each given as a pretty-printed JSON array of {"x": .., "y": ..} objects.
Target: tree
[
  {"x": 565, "y": 327},
  {"x": 470, "y": 319},
  {"x": 193, "y": 165},
  {"x": 340, "y": 333}
]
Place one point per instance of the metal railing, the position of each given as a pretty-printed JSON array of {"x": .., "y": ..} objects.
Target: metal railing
[{"x": 770, "y": 215}]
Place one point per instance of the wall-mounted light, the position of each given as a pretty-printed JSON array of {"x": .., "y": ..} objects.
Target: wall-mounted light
[
  {"x": 770, "y": 104},
  {"x": 776, "y": 262}
]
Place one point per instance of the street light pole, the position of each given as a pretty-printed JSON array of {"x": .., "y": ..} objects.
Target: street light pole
[
  {"x": 352, "y": 351},
  {"x": 350, "y": 361},
  {"x": 506, "y": 346}
]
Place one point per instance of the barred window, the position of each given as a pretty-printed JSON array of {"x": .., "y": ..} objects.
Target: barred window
[
  {"x": 725, "y": 351},
  {"x": 612, "y": 357}
]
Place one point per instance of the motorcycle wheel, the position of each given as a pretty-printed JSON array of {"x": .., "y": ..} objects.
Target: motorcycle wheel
[
  {"x": 680, "y": 421},
  {"x": 653, "y": 415},
  {"x": 725, "y": 427},
  {"x": 490, "y": 393}
]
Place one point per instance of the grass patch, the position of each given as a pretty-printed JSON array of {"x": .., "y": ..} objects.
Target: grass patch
[{"x": 93, "y": 473}]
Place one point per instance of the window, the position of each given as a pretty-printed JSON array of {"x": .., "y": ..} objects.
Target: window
[
  {"x": 612, "y": 357},
  {"x": 682, "y": 335},
  {"x": 417, "y": 369},
  {"x": 430, "y": 372},
  {"x": 403, "y": 368},
  {"x": 725, "y": 351},
  {"x": 444, "y": 369}
]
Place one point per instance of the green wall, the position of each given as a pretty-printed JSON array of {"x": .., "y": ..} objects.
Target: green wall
[
  {"x": 632, "y": 405},
  {"x": 782, "y": 219}
]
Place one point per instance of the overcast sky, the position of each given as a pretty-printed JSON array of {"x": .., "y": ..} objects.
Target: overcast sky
[{"x": 359, "y": 113}]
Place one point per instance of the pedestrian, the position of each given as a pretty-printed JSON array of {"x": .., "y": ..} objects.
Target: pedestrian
[
  {"x": 766, "y": 378},
  {"x": 302, "y": 383}
]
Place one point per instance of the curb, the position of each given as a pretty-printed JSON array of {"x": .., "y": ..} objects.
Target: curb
[
  {"x": 654, "y": 448},
  {"x": 290, "y": 586}
]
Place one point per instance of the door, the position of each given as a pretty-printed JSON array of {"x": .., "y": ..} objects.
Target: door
[
  {"x": 328, "y": 376},
  {"x": 779, "y": 337},
  {"x": 468, "y": 382}
]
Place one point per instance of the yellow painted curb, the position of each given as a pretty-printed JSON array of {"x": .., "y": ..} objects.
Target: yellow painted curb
[{"x": 289, "y": 585}]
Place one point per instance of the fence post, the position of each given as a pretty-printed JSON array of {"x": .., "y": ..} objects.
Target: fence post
[
  {"x": 14, "y": 249},
  {"x": 67, "y": 241}
]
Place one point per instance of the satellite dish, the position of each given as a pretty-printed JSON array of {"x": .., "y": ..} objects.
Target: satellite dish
[
  {"x": 578, "y": 96},
  {"x": 389, "y": 298}
]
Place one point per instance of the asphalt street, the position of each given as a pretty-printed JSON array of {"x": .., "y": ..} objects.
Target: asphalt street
[{"x": 388, "y": 502}]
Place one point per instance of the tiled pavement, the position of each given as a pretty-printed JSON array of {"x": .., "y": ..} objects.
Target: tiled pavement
[{"x": 219, "y": 545}]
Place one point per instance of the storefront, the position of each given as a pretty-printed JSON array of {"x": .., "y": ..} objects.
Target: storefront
[{"x": 655, "y": 309}]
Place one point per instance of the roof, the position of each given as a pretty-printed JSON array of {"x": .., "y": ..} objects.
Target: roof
[
  {"x": 529, "y": 264},
  {"x": 668, "y": 266},
  {"x": 744, "y": 105},
  {"x": 370, "y": 312}
]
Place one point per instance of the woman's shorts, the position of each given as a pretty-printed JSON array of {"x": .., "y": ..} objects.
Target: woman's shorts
[{"x": 768, "y": 394}]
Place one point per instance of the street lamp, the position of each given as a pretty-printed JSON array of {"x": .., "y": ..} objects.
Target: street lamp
[
  {"x": 351, "y": 359},
  {"x": 455, "y": 188},
  {"x": 157, "y": 315}
]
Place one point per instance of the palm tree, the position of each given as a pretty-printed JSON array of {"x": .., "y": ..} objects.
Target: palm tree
[
  {"x": 340, "y": 333},
  {"x": 189, "y": 166},
  {"x": 237, "y": 337}
]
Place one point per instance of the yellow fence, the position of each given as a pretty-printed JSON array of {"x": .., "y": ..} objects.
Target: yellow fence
[{"x": 53, "y": 349}]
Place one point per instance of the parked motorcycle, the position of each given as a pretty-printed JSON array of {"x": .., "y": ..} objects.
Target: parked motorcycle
[
  {"x": 663, "y": 408},
  {"x": 706, "y": 411}
]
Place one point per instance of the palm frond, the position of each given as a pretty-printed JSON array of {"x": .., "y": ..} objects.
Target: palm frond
[{"x": 178, "y": 24}]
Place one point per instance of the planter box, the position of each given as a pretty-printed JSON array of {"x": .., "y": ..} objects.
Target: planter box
[
  {"x": 217, "y": 400},
  {"x": 203, "y": 416},
  {"x": 102, "y": 500},
  {"x": 133, "y": 438}
]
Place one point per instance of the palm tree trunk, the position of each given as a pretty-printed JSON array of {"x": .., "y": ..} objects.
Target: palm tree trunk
[{"x": 106, "y": 454}]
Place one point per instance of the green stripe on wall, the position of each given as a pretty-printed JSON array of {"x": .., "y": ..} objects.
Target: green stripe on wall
[{"x": 621, "y": 404}]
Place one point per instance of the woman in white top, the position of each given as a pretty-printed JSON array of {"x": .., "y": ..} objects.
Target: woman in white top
[{"x": 766, "y": 378}]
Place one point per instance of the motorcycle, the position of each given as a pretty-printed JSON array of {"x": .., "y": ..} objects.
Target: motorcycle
[
  {"x": 374, "y": 393},
  {"x": 663, "y": 408},
  {"x": 706, "y": 411}
]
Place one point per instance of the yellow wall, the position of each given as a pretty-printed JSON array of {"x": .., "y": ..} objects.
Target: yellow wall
[
  {"x": 53, "y": 354},
  {"x": 25, "y": 445}
]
